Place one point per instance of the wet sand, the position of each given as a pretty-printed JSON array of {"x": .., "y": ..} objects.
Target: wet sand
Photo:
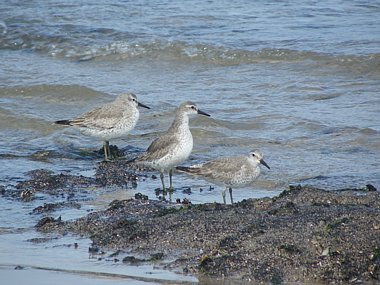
[
  {"x": 304, "y": 234},
  {"x": 40, "y": 276}
]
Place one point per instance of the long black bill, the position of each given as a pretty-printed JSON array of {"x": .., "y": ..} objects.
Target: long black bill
[
  {"x": 142, "y": 105},
  {"x": 203, "y": 113},
  {"x": 264, "y": 163},
  {"x": 63, "y": 122}
]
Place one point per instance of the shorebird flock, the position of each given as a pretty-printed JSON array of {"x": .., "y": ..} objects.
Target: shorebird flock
[{"x": 173, "y": 147}]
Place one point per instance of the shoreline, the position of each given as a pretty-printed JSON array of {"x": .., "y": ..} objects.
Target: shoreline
[{"x": 305, "y": 234}]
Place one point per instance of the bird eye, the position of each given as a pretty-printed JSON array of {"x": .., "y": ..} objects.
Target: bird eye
[
  {"x": 193, "y": 107},
  {"x": 253, "y": 154}
]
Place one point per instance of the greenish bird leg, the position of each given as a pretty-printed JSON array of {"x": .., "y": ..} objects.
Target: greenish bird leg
[
  {"x": 163, "y": 183},
  {"x": 106, "y": 149}
]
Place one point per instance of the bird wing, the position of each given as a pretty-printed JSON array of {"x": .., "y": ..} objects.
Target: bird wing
[
  {"x": 159, "y": 147},
  {"x": 105, "y": 117},
  {"x": 222, "y": 170}
]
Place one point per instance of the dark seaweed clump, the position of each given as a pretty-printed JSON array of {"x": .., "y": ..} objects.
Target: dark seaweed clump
[{"x": 303, "y": 235}]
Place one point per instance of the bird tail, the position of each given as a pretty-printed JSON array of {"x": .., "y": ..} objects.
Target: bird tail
[
  {"x": 132, "y": 160},
  {"x": 192, "y": 170},
  {"x": 182, "y": 168},
  {"x": 63, "y": 122},
  {"x": 136, "y": 163}
]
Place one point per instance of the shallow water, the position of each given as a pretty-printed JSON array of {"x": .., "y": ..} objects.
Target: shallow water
[{"x": 299, "y": 81}]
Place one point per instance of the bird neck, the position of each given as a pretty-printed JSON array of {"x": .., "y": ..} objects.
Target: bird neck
[{"x": 181, "y": 121}]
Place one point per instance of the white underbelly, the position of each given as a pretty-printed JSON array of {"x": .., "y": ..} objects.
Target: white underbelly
[{"x": 176, "y": 156}]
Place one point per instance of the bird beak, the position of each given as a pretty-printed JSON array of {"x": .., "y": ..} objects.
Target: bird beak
[
  {"x": 142, "y": 105},
  {"x": 203, "y": 113},
  {"x": 264, "y": 163}
]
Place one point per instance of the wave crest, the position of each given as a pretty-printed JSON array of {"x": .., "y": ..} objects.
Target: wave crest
[{"x": 123, "y": 46}]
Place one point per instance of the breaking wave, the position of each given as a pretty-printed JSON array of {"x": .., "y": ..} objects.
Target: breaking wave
[{"x": 107, "y": 44}]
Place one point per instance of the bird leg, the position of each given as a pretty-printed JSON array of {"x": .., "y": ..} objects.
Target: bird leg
[
  {"x": 230, "y": 189},
  {"x": 171, "y": 189},
  {"x": 106, "y": 149},
  {"x": 163, "y": 183},
  {"x": 224, "y": 195}
]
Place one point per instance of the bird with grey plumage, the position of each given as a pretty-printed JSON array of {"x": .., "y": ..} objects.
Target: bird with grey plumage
[
  {"x": 229, "y": 172},
  {"x": 172, "y": 147},
  {"x": 110, "y": 121}
]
